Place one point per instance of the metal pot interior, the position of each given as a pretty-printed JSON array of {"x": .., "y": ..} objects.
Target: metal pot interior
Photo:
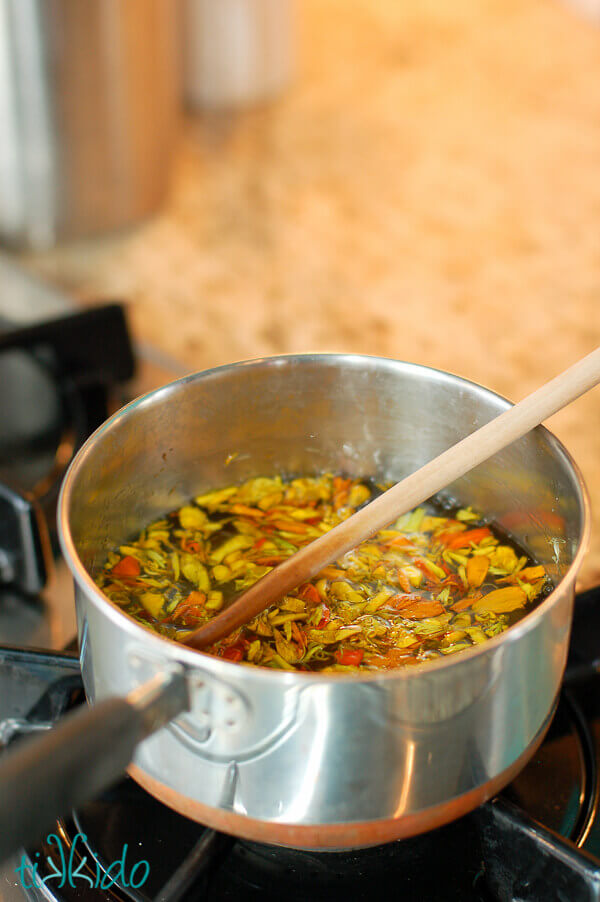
[{"x": 300, "y": 415}]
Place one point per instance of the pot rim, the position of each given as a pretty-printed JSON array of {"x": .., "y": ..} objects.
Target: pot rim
[{"x": 190, "y": 657}]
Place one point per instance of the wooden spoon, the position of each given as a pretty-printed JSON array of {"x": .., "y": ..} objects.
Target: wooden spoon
[{"x": 416, "y": 488}]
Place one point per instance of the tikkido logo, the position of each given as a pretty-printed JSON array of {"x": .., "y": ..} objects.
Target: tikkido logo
[{"x": 68, "y": 869}]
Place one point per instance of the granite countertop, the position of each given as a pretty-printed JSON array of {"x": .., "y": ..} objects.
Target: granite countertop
[{"x": 427, "y": 189}]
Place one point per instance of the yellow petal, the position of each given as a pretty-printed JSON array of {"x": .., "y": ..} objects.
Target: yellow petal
[
  {"x": 195, "y": 572},
  {"x": 214, "y": 600},
  {"x": 192, "y": 517},
  {"x": 286, "y": 649},
  {"x": 477, "y": 568},
  {"x": 153, "y": 602},
  {"x": 236, "y": 543},
  {"x": 501, "y": 601},
  {"x": 532, "y": 573}
]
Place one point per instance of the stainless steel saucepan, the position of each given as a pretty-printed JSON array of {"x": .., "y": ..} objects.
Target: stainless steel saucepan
[{"x": 303, "y": 759}]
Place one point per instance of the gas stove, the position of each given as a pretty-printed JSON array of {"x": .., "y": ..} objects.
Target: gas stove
[{"x": 538, "y": 841}]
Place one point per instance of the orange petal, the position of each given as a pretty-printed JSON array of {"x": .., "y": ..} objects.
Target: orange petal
[
  {"x": 477, "y": 568},
  {"x": 501, "y": 601}
]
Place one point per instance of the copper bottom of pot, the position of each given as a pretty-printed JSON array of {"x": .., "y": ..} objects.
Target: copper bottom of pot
[{"x": 352, "y": 835}]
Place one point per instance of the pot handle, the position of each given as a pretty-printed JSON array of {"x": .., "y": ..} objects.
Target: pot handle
[{"x": 43, "y": 778}]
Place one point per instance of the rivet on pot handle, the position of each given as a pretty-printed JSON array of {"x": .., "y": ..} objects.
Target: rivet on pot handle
[
  {"x": 216, "y": 707},
  {"x": 43, "y": 778}
]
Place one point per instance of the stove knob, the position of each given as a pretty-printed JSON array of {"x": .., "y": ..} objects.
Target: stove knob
[{"x": 25, "y": 557}]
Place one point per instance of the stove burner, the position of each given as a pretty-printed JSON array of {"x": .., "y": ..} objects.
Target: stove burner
[
  {"x": 559, "y": 785},
  {"x": 189, "y": 862}
]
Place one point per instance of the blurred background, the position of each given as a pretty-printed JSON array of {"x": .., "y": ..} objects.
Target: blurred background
[{"x": 419, "y": 180}]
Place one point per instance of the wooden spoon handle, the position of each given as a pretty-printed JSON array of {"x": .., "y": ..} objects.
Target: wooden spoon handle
[{"x": 416, "y": 488}]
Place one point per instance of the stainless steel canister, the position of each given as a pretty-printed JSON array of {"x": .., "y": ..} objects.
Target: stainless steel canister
[
  {"x": 88, "y": 109},
  {"x": 324, "y": 760}
]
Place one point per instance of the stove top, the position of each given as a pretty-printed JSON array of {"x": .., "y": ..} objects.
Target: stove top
[{"x": 538, "y": 841}]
